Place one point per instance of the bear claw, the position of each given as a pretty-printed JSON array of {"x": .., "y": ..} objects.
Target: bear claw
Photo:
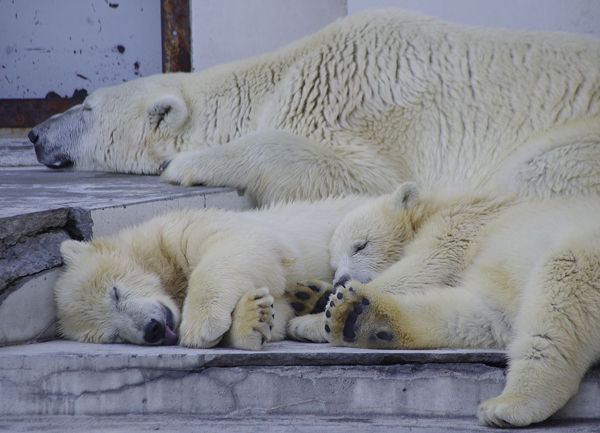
[{"x": 163, "y": 166}]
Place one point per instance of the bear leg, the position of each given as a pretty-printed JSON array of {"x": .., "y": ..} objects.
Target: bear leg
[{"x": 555, "y": 338}]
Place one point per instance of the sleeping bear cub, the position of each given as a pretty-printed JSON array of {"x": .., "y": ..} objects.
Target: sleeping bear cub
[
  {"x": 197, "y": 277},
  {"x": 473, "y": 272}
]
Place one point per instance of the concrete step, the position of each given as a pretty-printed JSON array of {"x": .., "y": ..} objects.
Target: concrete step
[
  {"x": 270, "y": 423},
  {"x": 287, "y": 379}
]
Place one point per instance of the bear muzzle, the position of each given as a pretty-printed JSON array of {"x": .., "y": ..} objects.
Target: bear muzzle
[{"x": 156, "y": 331}]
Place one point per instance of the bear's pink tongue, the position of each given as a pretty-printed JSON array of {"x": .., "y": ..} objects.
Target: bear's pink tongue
[{"x": 170, "y": 337}]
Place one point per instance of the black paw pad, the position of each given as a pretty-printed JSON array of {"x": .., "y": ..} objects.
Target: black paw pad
[
  {"x": 348, "y": 332},
  {"x": 303, "y": 296},
  {"x": 298, "y": 306},
  {"x": 340, "y": 295},
  {"x": 365, "y": 301},
  {"x": 359, "y": 308},
  {"x": 321, "y": 303},
  {"x": 314, "y": 289},
  {"x": 385, "y": 336},
  {"x": 327, "y": 328}
]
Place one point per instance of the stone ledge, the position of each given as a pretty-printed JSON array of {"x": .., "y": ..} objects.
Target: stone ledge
[
  {"x": 282, "y": 353},
  {"x": 270, "y": 423},
  {"x": 287, "y": 378}
]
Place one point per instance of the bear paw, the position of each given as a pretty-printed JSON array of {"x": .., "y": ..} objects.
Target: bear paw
[
  {"x": 309, "y": 297},
  {"x": 182, "y": 169},
  {"x": 353, "y": 318},
  {"x": 307, "y": 328},
  {"x": 507, "y": 411},
  {"x": 252, "y": 321}
]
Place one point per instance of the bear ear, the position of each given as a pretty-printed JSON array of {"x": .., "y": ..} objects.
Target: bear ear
[
  {"x": 405, "y": 197},
  {"x": 71, "y": 250},
  {"x": 167, "y": 111}
]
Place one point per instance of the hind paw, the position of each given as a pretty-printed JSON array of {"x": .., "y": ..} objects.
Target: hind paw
[
  {"x": 309, "y": 297},
  {"x": 354, "y": 317}
]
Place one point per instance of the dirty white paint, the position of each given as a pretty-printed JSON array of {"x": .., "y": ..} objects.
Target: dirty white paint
[
  {"x": 223, "y": 31},
  {"x": 572, "y": 16},
  {"x": 63, "y": 45}
]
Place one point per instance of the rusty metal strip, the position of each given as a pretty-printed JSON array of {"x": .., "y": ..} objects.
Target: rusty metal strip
[
  {"x": 26, "y": 113},
  {"x": 175, "y": 22}
]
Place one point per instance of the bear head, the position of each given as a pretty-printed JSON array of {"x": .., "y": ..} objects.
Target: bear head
[
  {"x": 104, "y": 296},
  {"x": 372, "y": 237},
  {"x": 129, "y": 128}
]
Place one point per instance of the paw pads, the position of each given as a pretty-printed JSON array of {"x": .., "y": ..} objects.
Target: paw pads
[
  {"x": 309, "y": 297},
  {"x": 352, "y": 321}
]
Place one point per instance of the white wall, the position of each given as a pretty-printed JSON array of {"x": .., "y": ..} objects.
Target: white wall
[
  {"x": 64, "y": 45},
  {"x": 573, "y": 16},
  {"x": 227, "y": 30}
]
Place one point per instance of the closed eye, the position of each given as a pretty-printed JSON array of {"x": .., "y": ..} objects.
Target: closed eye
[
  {"x": 359, "y": 246},
  {"x": 116, "y": 294}
]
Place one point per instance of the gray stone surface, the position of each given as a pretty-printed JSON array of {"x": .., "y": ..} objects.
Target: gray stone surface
[
  {"x": 270, "y": 423},
  {"x": 17, "y": 152},
  {"x": 35, "y": 189},
  {"x": 286, "y": 379}
]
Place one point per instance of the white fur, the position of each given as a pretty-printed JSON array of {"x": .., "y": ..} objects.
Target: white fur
[
  {"x": 370, "y": 101},
  {"x": 222, "y": 274},
  {"x": 484, "y": 273}
]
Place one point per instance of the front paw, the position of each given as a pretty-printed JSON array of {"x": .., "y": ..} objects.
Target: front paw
[
  {"x": 309, "y": 297},
  {"x": 182, "y": 169},
  {"x": 196, "y": 335},
  {"x": 252, "y": 321},
  {"x": 508, "y": 411},
  {"x": 356, "y": 317}
]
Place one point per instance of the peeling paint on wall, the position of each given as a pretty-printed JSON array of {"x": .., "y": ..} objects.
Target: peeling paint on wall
[{"x": 63, "y": 45}]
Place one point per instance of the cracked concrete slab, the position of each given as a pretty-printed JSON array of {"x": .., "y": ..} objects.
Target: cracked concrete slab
[
  {"x": 271, "y": 424},
  {"x": 286, "y": 379}
]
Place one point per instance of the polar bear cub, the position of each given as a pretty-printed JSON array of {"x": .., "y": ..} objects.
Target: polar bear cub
[
  {"x": 476, "y": 273},
  {"x": 197, "y": 277}
]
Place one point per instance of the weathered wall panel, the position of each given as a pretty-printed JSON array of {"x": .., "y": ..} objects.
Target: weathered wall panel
[{"x": 64, "y": 45}]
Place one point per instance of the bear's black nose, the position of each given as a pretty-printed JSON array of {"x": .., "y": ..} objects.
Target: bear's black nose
[
  {"x": 154, "y": 332},
  {"x": 343, "y": 280},
  {"x": 33, "y": 137}
]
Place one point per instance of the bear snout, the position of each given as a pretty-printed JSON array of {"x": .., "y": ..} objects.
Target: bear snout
[
  {"x": 341, "y": 281},
  {"x": 33, "y": 137},
  {"x": 154, "y": 332}
]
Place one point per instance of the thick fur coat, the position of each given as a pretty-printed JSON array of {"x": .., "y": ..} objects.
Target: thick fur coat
[
  {"x": 372, "y": 100},
  {"x": 473, "y": 272},
  {"x": 197, "y": 277}
]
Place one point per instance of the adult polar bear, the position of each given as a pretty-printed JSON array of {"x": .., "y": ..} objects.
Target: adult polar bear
[{"x": 368, "y": 102}]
